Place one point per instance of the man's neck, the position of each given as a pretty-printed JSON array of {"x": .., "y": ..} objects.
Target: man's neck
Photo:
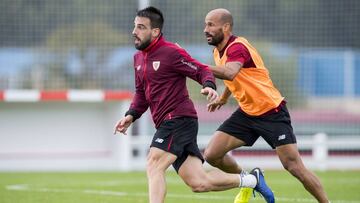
[
  {"x": 223, "y": 43},
  {"x": 152, "y": 44}
]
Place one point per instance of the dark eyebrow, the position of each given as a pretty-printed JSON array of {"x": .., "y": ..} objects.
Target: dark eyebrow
[{"x": 141, "y": 25}]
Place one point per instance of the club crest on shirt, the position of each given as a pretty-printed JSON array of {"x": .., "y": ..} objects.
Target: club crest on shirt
[
  {"x": 138, "y": 67},
  {"x": 156, "y": 65}
]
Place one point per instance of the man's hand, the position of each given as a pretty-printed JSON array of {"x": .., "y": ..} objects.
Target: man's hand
[
  {"x": 123, "y": 124},
  {"x": 212, "y": 95},
  {"x": 216, "y": 105}
]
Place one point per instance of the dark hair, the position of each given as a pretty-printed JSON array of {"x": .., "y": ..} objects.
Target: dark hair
[{"x": 155, "y": 16}]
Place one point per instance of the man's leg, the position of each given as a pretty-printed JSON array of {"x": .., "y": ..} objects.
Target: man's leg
[
  {"x": 216, "y": 152},
  {"x": 157, "y": 163},
  {"x": 194, "y": 175},
  {"x": 291, "y": 160}
]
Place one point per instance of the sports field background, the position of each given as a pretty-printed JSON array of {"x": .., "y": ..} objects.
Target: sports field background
[{"x": 341, "y": 186}]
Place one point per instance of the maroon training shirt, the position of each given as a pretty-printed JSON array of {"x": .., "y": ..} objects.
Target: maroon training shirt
[
  {"x": 160, "y": 79},
  {"x": 238, "y": 52}
]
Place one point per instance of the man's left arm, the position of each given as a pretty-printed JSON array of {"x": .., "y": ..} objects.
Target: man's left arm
[{"x": 186, "y": 65}]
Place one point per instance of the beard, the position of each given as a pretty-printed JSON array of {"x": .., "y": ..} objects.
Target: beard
[
  {"x": 143, "y": 44},
  {"x": 215, "y": 39}
]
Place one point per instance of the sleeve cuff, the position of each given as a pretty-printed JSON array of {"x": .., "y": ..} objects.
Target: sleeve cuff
[
  {"x": 133, "y": 113},
  {"x": 210, "y": 84}
]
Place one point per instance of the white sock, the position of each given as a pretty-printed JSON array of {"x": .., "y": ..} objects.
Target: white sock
[{"x": 247, "y": 180}]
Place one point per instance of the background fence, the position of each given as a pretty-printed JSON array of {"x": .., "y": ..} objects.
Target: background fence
[{"x": 310, "y": 47}]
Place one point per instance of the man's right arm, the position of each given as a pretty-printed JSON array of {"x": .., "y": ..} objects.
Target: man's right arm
[
  {"x": 123, "y": 124},
  {"x": 228, "y": 72},
  {"x": 139, "y": 103},
  {"x": 137, "y": 108},
  {"x": 237, "y": 55}
]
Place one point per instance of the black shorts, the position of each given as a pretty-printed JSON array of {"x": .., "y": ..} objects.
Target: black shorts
[
  {"x": 275, "y": 128},
  {"x": 179, "y": 137}
]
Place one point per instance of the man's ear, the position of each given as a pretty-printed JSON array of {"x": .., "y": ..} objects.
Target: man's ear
[
  {"x": 227, "y": 27},
  {"x": 155, "y": 32}
]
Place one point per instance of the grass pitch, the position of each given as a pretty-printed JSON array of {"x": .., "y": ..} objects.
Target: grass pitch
[{"x": 103, "y": 187}]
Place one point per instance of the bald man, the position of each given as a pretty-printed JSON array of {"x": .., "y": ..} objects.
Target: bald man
[{"x": 262, "y": 109}]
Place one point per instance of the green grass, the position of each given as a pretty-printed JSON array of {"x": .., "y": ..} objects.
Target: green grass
[{"x": 342, "y": 187}]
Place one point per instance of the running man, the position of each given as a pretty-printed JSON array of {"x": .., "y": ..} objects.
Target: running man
[
  {"x": 161, "y": 69},
  {"x": 262, "y": 109}
]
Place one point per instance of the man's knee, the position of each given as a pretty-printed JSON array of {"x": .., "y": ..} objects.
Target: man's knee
[
  {"x": 158, "y": 160},
  {"x": 295, "y": 167},
  {"x": 211, "y": 157},
  {"x": 291, "y": 160},
  {"x": 291, "y": 166},
  {"x": 198, "y": 186},
  {"x": 207, "y": 155},
  {"x": 152, "y": 165}
]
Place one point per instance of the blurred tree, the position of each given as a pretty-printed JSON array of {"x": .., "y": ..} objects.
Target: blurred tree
[
  {"x": 28, "y": 22},
  {"x": 86, "y": 35},
  {"x": 309, "y": 23},
  {"x": 92, "y": 43},
  {"x": 320, "y": 23},
  {"x": 90, "y": 29}
]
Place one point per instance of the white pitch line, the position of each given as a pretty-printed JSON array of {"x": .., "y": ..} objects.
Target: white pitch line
[
  {"x": 177, "y": 181},
  {"x": 17, "y": 187},
  {"x": 26, "y": 187},
  {"x": 105, "y": 192}
]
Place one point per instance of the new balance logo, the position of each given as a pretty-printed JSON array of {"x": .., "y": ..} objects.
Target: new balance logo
[
  {"x": 282, "y": 137},
  {"x": 159, "y": 140}
]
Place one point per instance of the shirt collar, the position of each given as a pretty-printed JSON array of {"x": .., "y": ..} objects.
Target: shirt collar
[
  {"x": 231, "y": 39},
  {"x": 154, "y": 43}
]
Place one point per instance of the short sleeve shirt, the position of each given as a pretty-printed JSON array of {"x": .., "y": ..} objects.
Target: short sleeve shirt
[{"x": 237, "y": 52}]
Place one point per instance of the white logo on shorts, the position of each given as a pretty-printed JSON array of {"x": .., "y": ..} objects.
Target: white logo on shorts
[
  {"x": 282, "y": 137},
  {"x": 159, "y": 140}
]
